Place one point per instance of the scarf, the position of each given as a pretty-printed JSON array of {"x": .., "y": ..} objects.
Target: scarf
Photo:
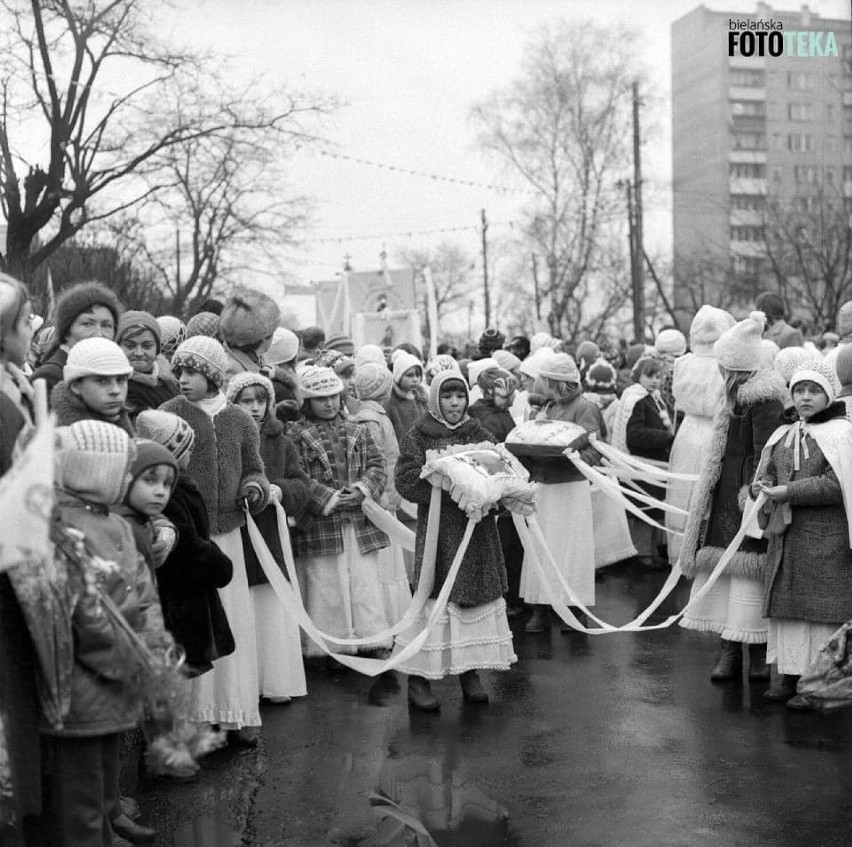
[
  {"x": 151, "y": 380},
  {"x": 213, "y": 406}
]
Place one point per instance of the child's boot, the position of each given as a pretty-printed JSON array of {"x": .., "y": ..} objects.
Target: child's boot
[
  {"x": 420, "y": 695},
  {"x": 730, "y": 661},
  {"x": 785, "y": 690},
  {"x": 539, "y": 621},
  {"x": 758, "y": 670},
  {"x": 471, "y": 687}
]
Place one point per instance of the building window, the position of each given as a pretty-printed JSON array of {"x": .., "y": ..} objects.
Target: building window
[
  {"x": 828, "y": 176},
  {"x": 798, "y": 142},
  {"x": 748, "y": 108},
  {"x": 747, "y": 264},
  {"x": 830, "y": 144},
  {"x": 778, "y": 142},
  {"x": 847, "y": 174},
  {"x": 747, "y": 170},
  {"x": 800, "y": 111},
  {"x": 778, "y": 174},
  {"x": 746, "y": 202},
  {"x": 748, "y": 141},
  {"x": 830, "y": 112},
  {"x": 847, "y": 143},
  {"x": 747, "y": 233},
  {"x": 798, "y": 81},
  {"x": 747, "y": 79},
  {"x": 807, "y": 174}
]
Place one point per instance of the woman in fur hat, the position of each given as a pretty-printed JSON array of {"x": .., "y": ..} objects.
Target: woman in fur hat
[
  {"x": 754, "y": 404},
  {"x": 246, "y": 326}
]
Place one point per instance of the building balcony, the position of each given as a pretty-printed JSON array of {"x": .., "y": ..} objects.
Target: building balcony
[
  {"x": 757, "y": 157},
  {"x": 755, "y": 249},
  {"x": 748, "y": 62},
  {"x": 743, "y": 185},
  {"x": 746, "y": 92},
  {"x": 744, "y": 217}
]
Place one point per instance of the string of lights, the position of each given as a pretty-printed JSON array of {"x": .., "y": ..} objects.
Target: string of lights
[{"x": 409, "y": 233}]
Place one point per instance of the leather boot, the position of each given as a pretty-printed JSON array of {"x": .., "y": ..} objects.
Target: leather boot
[
  {"x": 785, "y": 689},
  {"x": 471, "y": 687},
  {"x": 540, "y": 620},
  {"x": 730, "y": 661},
  {"x": 135, "y": 833},
  {"x": 420, "y": 695},
  {"x": 758, "y": 670}
]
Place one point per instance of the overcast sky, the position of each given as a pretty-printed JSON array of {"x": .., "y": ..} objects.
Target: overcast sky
[{"x": 410, "y": 71}]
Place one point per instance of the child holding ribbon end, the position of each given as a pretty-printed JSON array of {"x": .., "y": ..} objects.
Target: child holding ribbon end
[
  {"x": 805, "y": 471},
  {"x": 474, "y": 632}
]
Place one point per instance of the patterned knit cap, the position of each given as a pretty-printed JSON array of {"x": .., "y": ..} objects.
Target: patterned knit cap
[
  {"x": 588, "y": 351},
  {"x": 202, "y": 354},
  {"x": 490, "y": 340},
  {"x": 135, "y": 321},
  {"x": 495, "y": 379},
  {"x": 820, "y": 373},
  {"x": 441, "y": 362},
  {"x": 172, "y": 333},
  {"x": 372, "y": 381},
  {"x": 476, "y": 367},
  {"x": 95, "y": 357},
  {"x": 246, "y": 379},
  {"x": 341, "y": 342},
  {"x": 93, "y": 459},
  {"x": 172, "y": 431},
  {"x": 204, "y": 323},
  {"x": 334, "y": 359},
  {"x": 319, "y": 382}
]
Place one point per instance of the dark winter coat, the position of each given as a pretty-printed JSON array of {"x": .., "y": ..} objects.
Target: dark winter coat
[
  {"x": 404, "y": 412},
  {"x": 188, "y": 580},
  {"x": 287, "y": 399},
  {"x": 810, "y": 566},
  {"x": 647, "y": 435},
  {"x": 225, "y": 459},
  {"x": 281, "y": 460},
  {"x": 482, "y": 575},
  {"x": 142, "y": 530},
  {"x": 50, "y": 370},
  {"x": 148, "y": 394},
  {"x": 70, "y": 408},
  {"x": 719, "y": 495},
  {"x": 499, "y": 422}
]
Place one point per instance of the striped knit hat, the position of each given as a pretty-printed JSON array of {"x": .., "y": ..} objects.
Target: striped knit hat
[
  {"x": 172, "y": 431},
  {"x": 202, "y": 354},
  {"x": 319, "y": 382}
]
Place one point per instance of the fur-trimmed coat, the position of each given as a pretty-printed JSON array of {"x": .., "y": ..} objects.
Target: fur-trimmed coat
[
  {"x": 720, "y": 493},
  {"x": 226, "y": 458},
  {"x": 70, "y": 408},
  {"x": 482, "y": 575},
  {"x": 50, "y": 370},
  {"x": 149, "y": 391}
]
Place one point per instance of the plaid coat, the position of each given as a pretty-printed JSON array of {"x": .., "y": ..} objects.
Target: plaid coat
[{"x": 318, "y": 534}]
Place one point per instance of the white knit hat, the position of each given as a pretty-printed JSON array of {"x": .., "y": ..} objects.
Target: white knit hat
[
  {"x": 560, "y": 368},
  {"x": 319, "y": 382},
  {"x": 474, "y": 369},
  {"x": 543, "y": 339},
  {"x": 203, "y": 354},
  {"x": 819, "y": 372},
  {"x": 707, "y": 325},
  {"x": 284, "y": 347},
  {"x": 739, "y": 349},
  {"x": 532, "y": 365},
  {"x": 403, "y": 361},
  {"x": 95, "y": 357},
  {"x": 506, "y": 360},
  {"x": 372, "y": 381},
  {"x": 94, "y": 459},
  {"x": 671, "y": 341}
]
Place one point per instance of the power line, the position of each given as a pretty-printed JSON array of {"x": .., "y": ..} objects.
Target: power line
[{"x": 410, "y": 233}]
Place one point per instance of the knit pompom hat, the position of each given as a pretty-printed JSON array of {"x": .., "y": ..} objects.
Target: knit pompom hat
[
  {"x": 172, "y": 431},
  {"x": 150, "y": 453},
  {"x": 403, "y": 361},
  {"x": 543, "y": 339},
  {"x": 82, "y": 298},
  {"x": 843, "y": 365},
  {"x": 319, "y": 382},
  {"x": 372, "y": 381},
  {"x": 135, "y": 321},
  {"x": 844, "y": 321},
  {"x": 202, "y": 354},
  {"x": 475, "y": 368},
  {"x": 284, "y": 347},
  {"x": 370, "y": 353},
  {"x": 560, "y": 368},
  {"x": 246, "y": 379},
  {"x": 204, "y": 323},
  {"x": 490, "y": 340},
  {"x": 738, "y": 349},
  {"x": 172, "y": 333},
  {"x": 334, "y": 359},
  {"x": 249, "y": 316},
  {"x": 441, "y": 362},
  {"x": 532, "y": 365},
  {"x": 340, "y": 342},
  {"x": 601, "y": 377},
  {"x": 508, "y": 361},
  {"x": 95, "y": 357},
  {"x": 588, "y": 351},
  {"x": 441, "y": 380},
  {"x": 93, "y": 460},
  {"x": 671, "y": 342},
  {"x": 820, "y": 373},
  {"x": 706, "y": 327}
]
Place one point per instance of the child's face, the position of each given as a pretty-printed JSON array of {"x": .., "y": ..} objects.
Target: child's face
[
  {"x": 809, "y": 399},
  {"x": 453, "y": 403},
  {"x": 650, "y": 382},
  {"x": 325, "y": 408},
  {"x": 527, "y": 383},
  {"x": 141, "y": 350},
  {"x": 104, "y": 395},
  {"x": 503, "y": 399},
  {"x": 410, "y": 379},
  {"x": 346, "y": 378},
  {"x": 254, "y": 400},
  {"x": 150, "y": 493},
  {"x": 193, "y": 385}
]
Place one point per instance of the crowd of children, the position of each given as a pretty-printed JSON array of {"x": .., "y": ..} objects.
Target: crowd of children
[{"x": 171, "y": 434}]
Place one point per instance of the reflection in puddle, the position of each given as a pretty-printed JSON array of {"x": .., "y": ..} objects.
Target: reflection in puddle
[
  {"x": 424, "y": 802},
  {"x": 207, "y": 832}
]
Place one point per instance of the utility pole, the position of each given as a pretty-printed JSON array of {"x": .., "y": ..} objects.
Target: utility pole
[
  {"x": 535, "y": 287},
  {"x": 638, "y": 246},
  {"x": 485, "y": 271}
]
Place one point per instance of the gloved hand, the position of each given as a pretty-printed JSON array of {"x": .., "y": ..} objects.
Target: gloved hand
[
  {"x": 252, "y": 492},
  {"x": 164, "y": 541}
]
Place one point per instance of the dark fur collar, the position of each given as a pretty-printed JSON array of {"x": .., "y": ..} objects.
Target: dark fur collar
[{"x": 836, "y": 410}]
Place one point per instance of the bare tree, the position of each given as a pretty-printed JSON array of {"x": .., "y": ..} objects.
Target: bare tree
[
  {"x": 562, "y": 128},
  {"x": 109, "y": 99}
]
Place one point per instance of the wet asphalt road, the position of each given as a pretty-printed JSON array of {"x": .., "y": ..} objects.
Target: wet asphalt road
[{"x": 588, "y": 742}]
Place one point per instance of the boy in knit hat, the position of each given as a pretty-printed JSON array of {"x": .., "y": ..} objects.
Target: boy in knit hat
[
  {"x": 94, "y": 385},
  {"x": 407, "y": 402}
]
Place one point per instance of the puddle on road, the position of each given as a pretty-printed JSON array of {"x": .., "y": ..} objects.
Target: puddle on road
[{"x": 207, "y": 832}]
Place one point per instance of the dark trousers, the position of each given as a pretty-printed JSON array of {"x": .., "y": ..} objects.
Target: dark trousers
[
  {"x": 85, "y": 789},
  {"x": 513, "y": 555}
]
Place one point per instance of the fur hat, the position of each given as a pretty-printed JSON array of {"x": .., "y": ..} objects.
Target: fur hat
[
  {"x": 135, "y": 321},
  {"x": 340, "y": 341},
  {"x": 202, "y": 354},
  {"x": 204, "y": 323},
  {"x": 706, "y": 327},
  {"x": 81, "y": 298},
  {"x": 738, "y": 349},
  {"x": 491, "y": 340},
  {"x": 172, "y": 333},
  {"x": 403, "y": 361},
  {"x": 93, "y": 460},
  {"x": 319, "y": 382},
  {"x": 95, "y": 357},
  {"x": 819, "y": 372},
  {"x": 843, "y": 364},
  {"x": 172, "y": 431},
  {"x": 249, "y": 316},
  {"x": 560, "y": 368},
  {"x": 601, "y": 377},
  {"x": 284, "y": 347},
  {"x": 588, "y": 352},
  {"x": 148, "y": 454},
  {"x": 844, "y": 321},
  {"x": 476, "y": 367},
  {"x": 508, "y": 361},
  {"x": 372, "y": 381},
  {"x": 671, "y": 341},
  {"x": 244, "y": 380},
  {"x": 370, "y": 353},
  {"x": 789, "y": 360}
]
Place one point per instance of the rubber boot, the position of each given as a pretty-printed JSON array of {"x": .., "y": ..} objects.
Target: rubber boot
[
  {"x": 785, "y": 689},
  {"x": 540, "y": 620},
  {"x": 420, "y": 695},
  {"x": 758, "y": 670},
  {"x": 730, "y": 662},
  {"x": 471, "y": 687}
]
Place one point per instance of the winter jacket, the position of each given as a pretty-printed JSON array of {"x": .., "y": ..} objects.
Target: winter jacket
[
  {"x": 375, "y": 416},
  {"x": 50, "y": 370},
  {"x": 104, "y": 696},
  {"x": 281, "y": 460},
  {"x": 321, "y": 534},
  {"x": 287, "y": 397},
  {"x": 70, "y": 408},
  {"x": 145, "y": 391},
  {"x": 647, "y": 435},
  {"x": 143, "y": 532},
  {"x": 225, "y": 459},
  {"x": 482, "y": 575},
  {"x": 404, "y": 411},
  {"x": 499, "y": 422},
  {"x": 719, "y": 495},
  {"x": 238, "y": 362},
  {"x": 188, "y": 580}
]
